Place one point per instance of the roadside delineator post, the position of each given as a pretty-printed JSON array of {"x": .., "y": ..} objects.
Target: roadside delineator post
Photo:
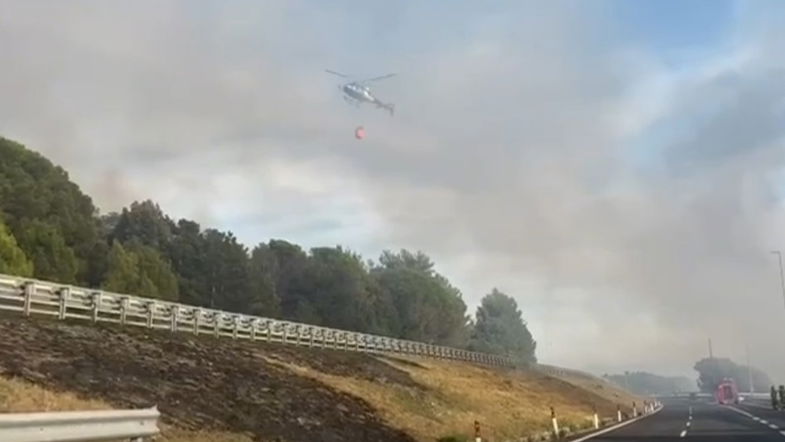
[
  {"x": 618, "y": 412},
  {"x": 555, "y": 422},
  {"x": 477, "y": 437},
  {"x": 596, "y": 420},
  {"x": 634, "y": 410}
]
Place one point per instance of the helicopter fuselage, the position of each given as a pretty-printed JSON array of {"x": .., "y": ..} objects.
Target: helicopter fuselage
[{"x": 359, "y": 92}]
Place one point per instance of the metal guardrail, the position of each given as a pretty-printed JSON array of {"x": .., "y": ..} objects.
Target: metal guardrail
[
  {"x": 73, "y": 426},
  {"x": 34, "y": 297}
]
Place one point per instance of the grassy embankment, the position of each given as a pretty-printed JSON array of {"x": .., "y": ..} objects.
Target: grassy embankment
[{"x": 221, "y": 390}]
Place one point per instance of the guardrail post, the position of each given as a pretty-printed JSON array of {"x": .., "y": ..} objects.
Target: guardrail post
[
  {"x": 295, "y": 334},
  {"x": 65, "y": 292},
  {"x": 150, "y": 313},
  {"x": 555, "y": 423},
  {"x": 197, "y": 315},
  {"x": 235, "y": 325},
  {"x": 29, "y": 291},
  {"x": 596, "y": 420},
  {"x": 123, "y": 309},
  {"x": 173, "y": 312},
  {"x": 254, "y": 322},
  {"x": 96, "y": 298},
  {"x": 216, "y": 327}
]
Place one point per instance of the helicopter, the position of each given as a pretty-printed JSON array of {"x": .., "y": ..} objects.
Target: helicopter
[{"x": 357, "y": 92}]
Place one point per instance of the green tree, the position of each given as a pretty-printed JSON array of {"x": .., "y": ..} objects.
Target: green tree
[
  {"x": 500, "y": 329},
  {"x": 52, "y": 259},
  {"x": 32, "y": 189},
  {"x": 143, "y": 222},
  {"x": 649, "y": 384},
  {"x": 153, "y": 267},
  {"x": 187, "y": 252},
  {"x": 290, "y": 263},
  {"x": 140, "y": 270},
  {"x": 337, "y": 286},
  {"x": 712, "y": 371},
  {"x": 263, "y": 272},
  {"x": 12, "y": 259},
  {"x": 121, "y": 275},
  {"x": 423, "y": 305},
  {"x": 227, "y": 276}
]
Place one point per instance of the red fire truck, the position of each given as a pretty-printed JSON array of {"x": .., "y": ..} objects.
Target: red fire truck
[{"x": 726, "y": 392}]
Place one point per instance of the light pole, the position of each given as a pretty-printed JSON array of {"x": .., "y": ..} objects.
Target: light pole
[
  {"x": 782, "y": 278},
  {"x": 749, "y": 370}
]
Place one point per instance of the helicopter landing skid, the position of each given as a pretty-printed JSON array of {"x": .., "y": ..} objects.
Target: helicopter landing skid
[{"x": 355, "y": 103}]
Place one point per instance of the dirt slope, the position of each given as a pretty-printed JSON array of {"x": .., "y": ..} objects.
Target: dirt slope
[{"x": 272, "y": 392}]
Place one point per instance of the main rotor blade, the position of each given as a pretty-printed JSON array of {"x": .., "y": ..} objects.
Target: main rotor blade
[
  {"x": 377, "y": 78},
  {"x": 336, "y": 73}
]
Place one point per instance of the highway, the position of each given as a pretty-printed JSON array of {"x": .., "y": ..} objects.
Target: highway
[{"x": 699, "y": 420}]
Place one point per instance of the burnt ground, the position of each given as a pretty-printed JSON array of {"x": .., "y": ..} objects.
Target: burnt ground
[{"x": 200, "y": 382}]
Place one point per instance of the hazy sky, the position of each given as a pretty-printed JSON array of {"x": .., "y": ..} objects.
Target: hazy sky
[{"x": 616, "y": 166}]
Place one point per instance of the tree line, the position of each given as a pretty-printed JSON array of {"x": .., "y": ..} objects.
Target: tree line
[
  {"x": 712, "y": 371},
  {"x": 50, "y": 230},
  {"x": 644, "y": 383}
]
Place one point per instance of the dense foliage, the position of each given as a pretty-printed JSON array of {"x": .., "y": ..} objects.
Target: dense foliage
[
  {"x": 711, "y": 372},
  {"x": 648, "y": 384},
  {"x": 501, "y": 329},
  {"x": 12, "y": 258},
  {"x": 54, "y": 232}
]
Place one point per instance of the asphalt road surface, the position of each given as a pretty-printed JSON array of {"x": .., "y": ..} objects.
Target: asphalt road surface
[{"x": 700, "y": 420}]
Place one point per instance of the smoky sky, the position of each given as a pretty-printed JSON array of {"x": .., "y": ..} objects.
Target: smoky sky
[{"x": 627, "y": 202}]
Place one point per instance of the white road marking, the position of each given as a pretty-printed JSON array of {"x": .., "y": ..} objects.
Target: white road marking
[
  {"x": 683, "y": 433},
  {"x": 756, "y": 418},
  {"x": 737, "y": 410},
  {"x": 688, "y": 424},
  {"x": 617, "y": 426}
]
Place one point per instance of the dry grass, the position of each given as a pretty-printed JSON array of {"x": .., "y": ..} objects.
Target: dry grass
[
  {"x": 22, "y": 397},
  {"x": 177, "y": 435},
  {"x": 604, "y": 389},
  {"x": 508, "y": 404}
]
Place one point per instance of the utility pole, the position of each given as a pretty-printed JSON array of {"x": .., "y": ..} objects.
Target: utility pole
[
  {"x": 749, "y": 370},
  {"x": 782, "y": 278}
]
